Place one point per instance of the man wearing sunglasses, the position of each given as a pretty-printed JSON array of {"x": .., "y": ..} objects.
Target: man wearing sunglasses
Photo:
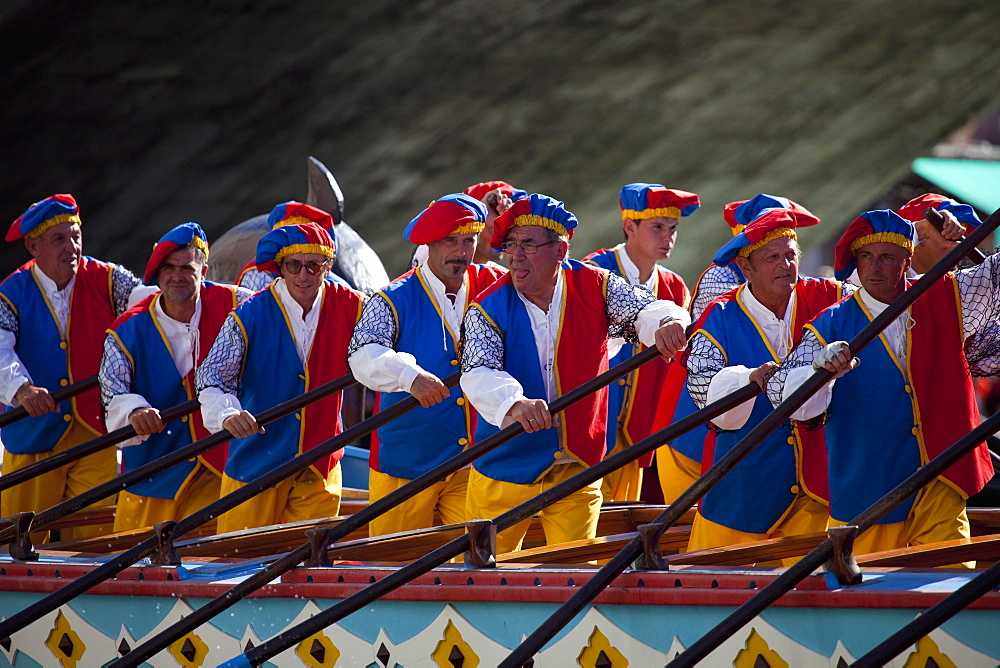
[
  {"x": 405, "y": 342},
  {"x": 537, "y": 333},
  {"x": 281, "y": 343}
]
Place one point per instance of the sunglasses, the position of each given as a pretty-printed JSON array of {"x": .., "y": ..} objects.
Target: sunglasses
[{"x": 312, "y": 268}]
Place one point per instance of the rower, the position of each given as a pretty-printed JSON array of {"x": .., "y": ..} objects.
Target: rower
[
  {"x": 282, "y": 342},
  {"x": 537, "y": 333},
  {"x": 650, "y": 216},
  {"x": 54, "y": 311},
  {"x": 150, "y": 355}
]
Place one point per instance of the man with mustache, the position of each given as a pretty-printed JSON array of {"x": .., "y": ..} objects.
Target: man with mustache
[
  {"x": 777, "y": 490},
  {"x": 54, "y": 311},
  {"x": 150, "y": 356},
  {"x": 406, "y": 341},
  {"x": 650, "y": 216},
  {"x": 537, "y": 333}
]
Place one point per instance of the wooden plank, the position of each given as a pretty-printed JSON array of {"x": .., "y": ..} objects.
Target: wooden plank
[
  {"x": 673, "y": 541},
  {"x": 931, "y": 555},
  {"x": 746, "y": 554},
  {"x": 397, "y": 547},
  {"x": 615, "y": 518},
  {"x": 984, "y": 521}
]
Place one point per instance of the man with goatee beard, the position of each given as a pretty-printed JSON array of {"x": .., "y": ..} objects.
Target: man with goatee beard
[{"x": 405, "y": 342}]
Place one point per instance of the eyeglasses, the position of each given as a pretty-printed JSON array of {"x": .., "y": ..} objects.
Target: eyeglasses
[
  {"x": 527, "y": 247},
  {"x": 312, "y": 268}
]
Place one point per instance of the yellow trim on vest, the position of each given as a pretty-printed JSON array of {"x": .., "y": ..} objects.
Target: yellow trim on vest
[
  {"x": 40, "y": 229},
  {"x": 768, "y": 238},
  {"x": 665, "y": 212},
  {"x": 9, "y": 302},
  {"x": 540, "y": 221},
  {"x": 246, "y": 339},
  {"x": 319, "y": 249},
  {"x": 125, "y": 350},
  {"x": 715, "y": 342},
  {"x": 883, "y": 237},
  {"x": 760, "y": 332},
  {"x": 52, "y": 312},
  {"x": 437, "y": 307}
]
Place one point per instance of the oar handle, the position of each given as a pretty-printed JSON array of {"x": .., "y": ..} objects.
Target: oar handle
[
  {"x": 60, "y": 395},
  {"x": 90, "y": 447},
  {"x": 936, "y": 218}
]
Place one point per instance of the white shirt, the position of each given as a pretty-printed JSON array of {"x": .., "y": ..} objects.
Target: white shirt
[
  {"x": 731, "y": 378},
  {"x": 383, "y": 369}
]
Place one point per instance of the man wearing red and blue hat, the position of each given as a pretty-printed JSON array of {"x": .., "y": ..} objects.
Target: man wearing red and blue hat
[
  {"x": 778, "y": 489},
  {"x": 287, "y": 213},
  {"x": 54, "y": 311},
  {"x": 678, "y": 463},
  {"x": 280, "y": 343},
  {"x": 918, "y": 395},
  {"x": 932, "y": 244},
  {"x": 150, "y": 355},
  {"x": 537, "y": 333},
  {"x": 650, "y": 216},
  {"x": 406, "y": 341}
]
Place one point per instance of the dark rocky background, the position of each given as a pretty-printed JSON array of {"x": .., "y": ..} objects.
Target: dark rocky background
[{"x": 156, "y": 113}]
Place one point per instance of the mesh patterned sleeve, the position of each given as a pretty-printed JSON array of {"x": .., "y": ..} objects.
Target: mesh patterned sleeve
[
  {"x": 221, "y": 367},
  {"x": 624, "y": 302},
  {"x": 802, "y": 355},
  {"x": 242, "y": 294},
  {"x": 703, "y": 361},
  {"x": 377, "y": 325},
  {"x": 255, "y": 280},
  {"x": 8, "y": 318},
  {"x": 123, "y": 282},
  {"x": 979, "y": 288},
  {"x": 482, "y": 343},
  {"x": 115, "y": 373},
  {"x": 714, "y": 282}
]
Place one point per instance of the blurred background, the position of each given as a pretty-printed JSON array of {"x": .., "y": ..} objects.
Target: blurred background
[{"x": 157, "y": 113}]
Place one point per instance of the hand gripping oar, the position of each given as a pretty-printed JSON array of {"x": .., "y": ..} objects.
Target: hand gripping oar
[
  {"x": 90, "y": 447},
  {"x": 60, "y": 395},
  {"x": 797, "y": 572},
  {"x": 104, "y": 490},
  {"x": 517, "y": 514},
  {"x": 600, "y": 580},
  {"x": 147, "y": 547},
  {"x": 930, "y": 619},
  {"x": 936, "y": 218},
  {"x": 292, "y": 559}
]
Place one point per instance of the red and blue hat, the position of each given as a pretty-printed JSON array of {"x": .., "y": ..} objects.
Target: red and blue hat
[
  {"x": 180, "y": 237},
  {"x": 287, "y": 240},
  {"x": 871, "y": 227},
  {"x": 452, "y": 214},
  {"x": 42, "y": 215},
  {"x": 540, "y": 210},
  {"x": 770, "y": 225},
  {"x": 297, "y": 213},
  {"x": 640, "y": 201},
  {"x": 913, "y": 210},
  {"x": 740, "y": 214},
  {"x": 479, "y": 190}
]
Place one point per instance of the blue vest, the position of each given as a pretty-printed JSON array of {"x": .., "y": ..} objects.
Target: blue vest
[
  {"x": 870, "y": 443},
  {"x": 155, "y": 377},
  {"x": 755, "y": 495},
  {"x": 422, "y": 438}
]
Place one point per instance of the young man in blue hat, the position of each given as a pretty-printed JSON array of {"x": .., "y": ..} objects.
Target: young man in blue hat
[
  {"x": 778, "y": 489},
  {"x": 650, "y": 216},
  {"x": 280, "y": 343},
  {"x": 915, "y": 380},
  {"x": 406, "y": 341},
  {"x": 150, "y": 355},
  {"x": 537, "y": 333},
  {"x": 54, "y": 311}
]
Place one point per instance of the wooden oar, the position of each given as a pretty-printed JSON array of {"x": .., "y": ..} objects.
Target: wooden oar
[
  {"x": 288, "y": 561},
  {"x": 597, "y": 583},
  {"x": 172, "y": 530},
  {"x": 60, "y": 395},
  {"x": 517, "y": 514},
  {"x": 90, "y": 447},
  {"x": 936, "y": 218},
  {"x": 931, "y": 619}
]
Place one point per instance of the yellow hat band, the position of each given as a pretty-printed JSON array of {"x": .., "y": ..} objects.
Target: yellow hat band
[
  {"x": 666, "y": 212},
  {"x": 200, "y": 244},
  {"x": 474, "y": 227},
  {"x": 39, "y": 229},
  {"x": 776, "y": 233},
  {"x": 319, "y": 249},
  {"x": 294, "y": 220},
  {"x": 533, "y": 219},
  {"x": 883, "y": 237}
]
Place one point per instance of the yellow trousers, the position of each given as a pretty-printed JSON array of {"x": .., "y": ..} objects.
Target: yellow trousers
[
  {"x": 624, "y": 484},
  {"x": 46, "y": 490},
  {"x": 306, "y": 496},
  {"x": 805, "y": 515},
  {"x": 572, "y": 518},
  {"x": 135, "y": 511},
  {"x": 448, "y": 496},
  {"x": 677, "y": 472},
  {"x": 938, "y": 514}
]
